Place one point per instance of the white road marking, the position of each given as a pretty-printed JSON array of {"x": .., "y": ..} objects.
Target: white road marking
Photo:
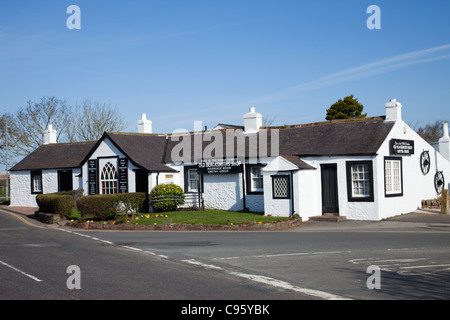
[
  {"x": 20, "y": 271},
  {"x": 270, "y": 281},
  {"x": 283, "y": 255},
  {"x": 253, "y": 277}
]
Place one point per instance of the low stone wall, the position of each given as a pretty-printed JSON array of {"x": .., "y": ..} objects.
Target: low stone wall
[
  {"x": 431, "y": 204},
  {"x": 47, "y": 218},
  {"x": 276, "y": 226}
]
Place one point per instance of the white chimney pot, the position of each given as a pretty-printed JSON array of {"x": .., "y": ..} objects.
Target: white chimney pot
[
  {"x": 252, "y": 121},
  {"x": 393, "y": 110},
  {"x": 49, "y": 135},
  {"x": 144, "y": 125},
  {"x": 444, "y": 142}
]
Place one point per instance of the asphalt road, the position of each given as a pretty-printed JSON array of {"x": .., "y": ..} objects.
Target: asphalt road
[
  {"x": 315, "y": 261},
  {"x": 34, "y": 261}
]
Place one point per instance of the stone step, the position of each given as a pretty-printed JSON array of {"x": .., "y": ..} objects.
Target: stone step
[{"x": 328, "y": 218}]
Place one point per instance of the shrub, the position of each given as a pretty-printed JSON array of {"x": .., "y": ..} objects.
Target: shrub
[
  {"x": 108, "y": 206},
  {"x": 98, "y": 206},
  {"x": 163, "y": 196},
  {"x": 130, "y": 202},
  {"x": 75, "y": 194},
  {"x": 56, "y": 204}
]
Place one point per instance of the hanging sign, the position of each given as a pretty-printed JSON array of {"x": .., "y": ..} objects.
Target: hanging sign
[
  {"x": 401, "y": 147},
  {"x": 92, "y": 177},
  {"x": 220, "y": 166}
]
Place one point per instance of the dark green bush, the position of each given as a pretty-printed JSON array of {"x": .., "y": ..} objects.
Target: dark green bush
[
  {"x": 163, "y": 196},
  {"x": 75, "y": 194},
  {"x": 108, "y": 206},
  {"x": 56, "y": 204}
]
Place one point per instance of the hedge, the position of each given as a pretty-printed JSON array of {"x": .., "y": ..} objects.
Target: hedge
[
  {"x": 108, "y": 206},
  {"x": 162, "y": 197},
  {"x": 55, "y": 204},
  {"x": 75, "y": 194}
]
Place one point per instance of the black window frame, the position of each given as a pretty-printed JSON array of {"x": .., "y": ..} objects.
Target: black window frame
[
  {"x": 350, "y": 196},
  {"x": 186, "y": 179},
  {"x": 248, "y": 177},
  {"x": 33, "y": 174},
  {"x": 398, "y": 194},
  {"x": 284, "y": 176}
]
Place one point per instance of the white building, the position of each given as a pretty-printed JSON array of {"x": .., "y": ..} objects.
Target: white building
[{"x": 365, "y": 169}]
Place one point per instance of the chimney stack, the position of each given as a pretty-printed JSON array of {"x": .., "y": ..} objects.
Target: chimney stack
[
  {"x": 144, "y": 125},
  {"x": 444, "y": 142},
  {"x": 252, "y": 121},
  {"x": 49, "y": 135},
  {"x": 393, "y": 110}
]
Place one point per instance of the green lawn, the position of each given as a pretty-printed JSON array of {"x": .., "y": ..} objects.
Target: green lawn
[{"x": 204, "y": 217}]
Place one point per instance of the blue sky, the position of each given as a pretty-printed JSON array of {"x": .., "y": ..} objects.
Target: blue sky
[{"x": 182, "y": 61}]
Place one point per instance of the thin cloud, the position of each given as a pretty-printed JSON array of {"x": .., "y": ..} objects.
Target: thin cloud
[{"x": 360, "y": 72}]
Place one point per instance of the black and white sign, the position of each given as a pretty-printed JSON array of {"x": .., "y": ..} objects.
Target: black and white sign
[
  {"x": 401, "y": 147},
  {"x": 220, "y": 166},
  {"x": 123, "y": 175},
  {"x": 92, "y": 174}
]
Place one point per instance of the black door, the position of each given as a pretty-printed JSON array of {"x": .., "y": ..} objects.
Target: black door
[
  {"x": 142, "y": 185},
  {"x": 65, "y": 182},
  {"x": 330, "y": 202}
]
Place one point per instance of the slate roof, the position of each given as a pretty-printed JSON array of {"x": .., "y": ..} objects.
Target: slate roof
[
  {"x": 152, "y": 151},
  {"x": 55, "y": 156},
  {"x": 145, "y": 150},
  {"x": 331, "y": 138},
  {"x": 336, "y": 138}
]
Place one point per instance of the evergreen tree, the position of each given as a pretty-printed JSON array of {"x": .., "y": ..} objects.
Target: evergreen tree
[{"x": 349, "y": 108}]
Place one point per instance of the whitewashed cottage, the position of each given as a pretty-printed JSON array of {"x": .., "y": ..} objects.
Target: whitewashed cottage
[{"x": 365, "y": 169}]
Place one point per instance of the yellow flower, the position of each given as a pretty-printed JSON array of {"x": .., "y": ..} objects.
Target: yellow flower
[
  {"x": 260, "y": 222},
  {"x": 155, "y": 224}
]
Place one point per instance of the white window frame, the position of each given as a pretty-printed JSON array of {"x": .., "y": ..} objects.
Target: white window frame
[
  {"x": 111, "y": 184},
  {"x": 36, "y": 182},
  {"x": 360, "y": 180},
  {"x": 393, "y": 176},
  {"x": 255, "y": 178},
  {"x": 191, "y": 180}
]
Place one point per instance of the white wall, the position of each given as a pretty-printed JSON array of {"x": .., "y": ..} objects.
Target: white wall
[
  {"x": 21, "y": 195},
  {"x": 311, "y": 191},
  {"x": 416, "y": 185},
  {"x": 107, "y": 149},
  {"x": 275, "y": 207},
  {"x": 223, "y": 191}
]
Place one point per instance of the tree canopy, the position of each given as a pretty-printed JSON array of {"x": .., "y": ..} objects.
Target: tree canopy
[
  {"x": 348, "y": 108},
  {"x": 80, "y": 124}
]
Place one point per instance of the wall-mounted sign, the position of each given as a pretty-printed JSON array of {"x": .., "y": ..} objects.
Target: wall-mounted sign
[
  {"x": 220, "y": 166},
  {"x": 92, "y": 177},
  {"x": 401, "y": 147},
  {"x": 123, "y": 175}
]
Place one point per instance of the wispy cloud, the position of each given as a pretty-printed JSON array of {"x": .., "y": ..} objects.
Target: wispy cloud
[{"x": 363, "y": 71}]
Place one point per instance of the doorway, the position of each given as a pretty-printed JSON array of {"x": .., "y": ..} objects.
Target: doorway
[
  {"x": 142, "y": 185},
  {"x": 330, "y": 203},
  {"x": 65, "y": 180}
]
